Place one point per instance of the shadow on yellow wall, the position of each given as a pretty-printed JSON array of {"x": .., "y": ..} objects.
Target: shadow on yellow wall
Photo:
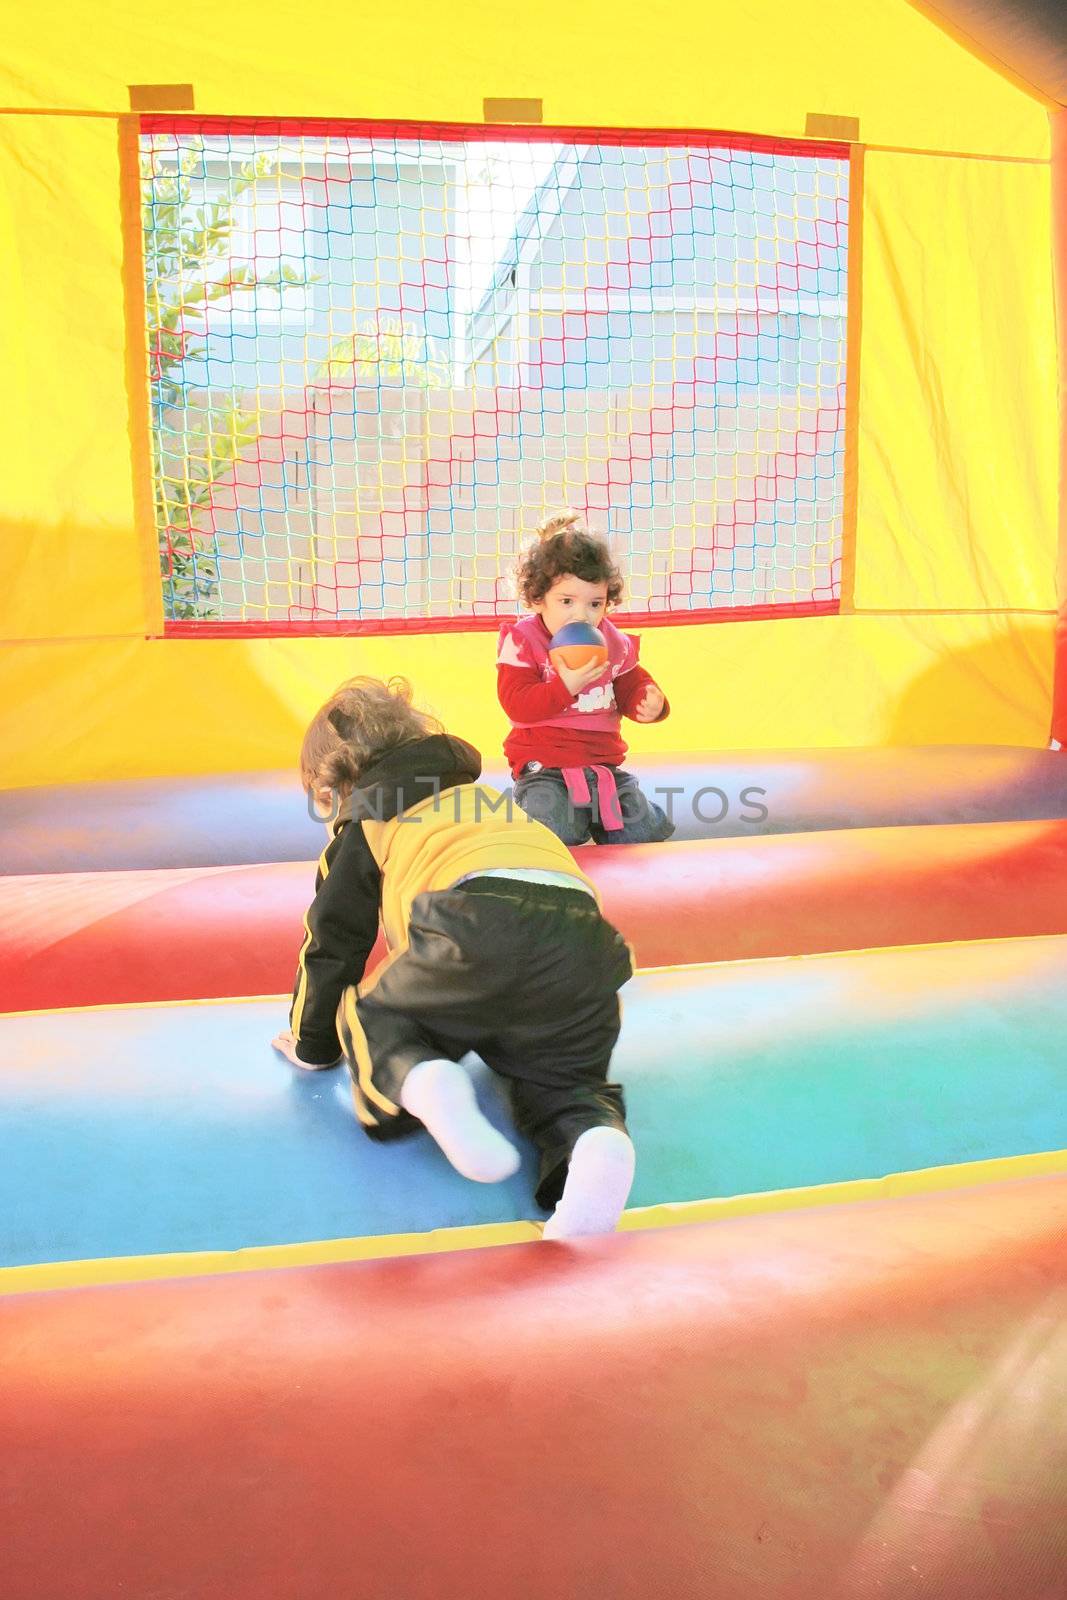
[
  {"x": 86, "y": 710},
  {"x": 971, "y": 695}
]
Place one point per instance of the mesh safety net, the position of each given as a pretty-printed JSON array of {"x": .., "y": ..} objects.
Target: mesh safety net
[{"x": 379, "y": 355}]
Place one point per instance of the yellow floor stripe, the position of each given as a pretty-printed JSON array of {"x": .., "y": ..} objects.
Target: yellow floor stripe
[
  {"x": 156, "y": 1005},
  {"x": 895, "y": 1186},
  {"x": 320, "y": 1252}
]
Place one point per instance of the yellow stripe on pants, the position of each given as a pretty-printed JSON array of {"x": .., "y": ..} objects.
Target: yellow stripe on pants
[{"x": 364, "y": 1092}]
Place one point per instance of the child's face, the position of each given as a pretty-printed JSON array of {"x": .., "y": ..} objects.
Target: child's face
[{"x": 573, "y": 600}]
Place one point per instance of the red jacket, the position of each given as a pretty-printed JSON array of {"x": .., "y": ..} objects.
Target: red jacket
[{"x": 531, "y": 691}]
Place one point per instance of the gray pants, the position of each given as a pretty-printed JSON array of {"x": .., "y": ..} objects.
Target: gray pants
[{"x": 543, "y": 796}]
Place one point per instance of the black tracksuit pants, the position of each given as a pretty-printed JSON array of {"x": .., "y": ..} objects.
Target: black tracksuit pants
[{"x": 525, "y": 974}]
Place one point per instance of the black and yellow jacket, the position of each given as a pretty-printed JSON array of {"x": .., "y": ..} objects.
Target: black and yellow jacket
[{"x": 418, "y": 822}]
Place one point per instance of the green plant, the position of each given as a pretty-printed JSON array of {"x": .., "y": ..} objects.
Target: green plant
[
  {"x": 386, "y": 348},
  {"x": 186, "y": 251},
  {"x": 196, "y": 435}
]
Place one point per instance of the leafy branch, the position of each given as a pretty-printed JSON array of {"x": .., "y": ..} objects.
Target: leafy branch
[
  {"x": 187, "y": 269},
  {"x": 389, "y": 348}
]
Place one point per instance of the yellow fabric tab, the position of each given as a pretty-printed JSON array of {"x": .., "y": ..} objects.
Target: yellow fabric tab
[
  {"x": 512, "y": 110},
  {"x": 825, "y": 125},
  {"x": 162, "y": 97}
]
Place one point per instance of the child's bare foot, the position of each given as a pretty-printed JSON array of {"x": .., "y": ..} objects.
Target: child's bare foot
[
  {"x": 598, "y": 1184},
  {"x": 441, "y": 1096}
]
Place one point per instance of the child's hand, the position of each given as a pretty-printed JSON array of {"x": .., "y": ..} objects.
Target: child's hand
[
  {"x": 650, "y": 705},
  {"x": 579, "y": 678},
  {"x": 285, "y": 1045}
]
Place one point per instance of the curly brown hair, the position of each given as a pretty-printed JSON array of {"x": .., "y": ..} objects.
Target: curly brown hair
[
  {"x": 566, "y": 548},
  {"x": 360, "y": 721}
]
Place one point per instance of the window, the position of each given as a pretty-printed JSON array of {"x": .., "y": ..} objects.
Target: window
[{"x": 376, "y": 359}]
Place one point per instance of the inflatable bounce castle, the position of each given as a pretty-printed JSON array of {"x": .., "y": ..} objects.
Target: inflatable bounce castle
[{"x": 309, "y": 316}]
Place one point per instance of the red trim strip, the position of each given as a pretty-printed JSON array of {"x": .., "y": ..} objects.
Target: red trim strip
[
  {"x": 524, "y": 133},
  {"x": 400, "y": 625}
]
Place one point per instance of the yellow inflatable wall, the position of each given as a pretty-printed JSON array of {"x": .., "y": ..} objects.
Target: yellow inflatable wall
[{"x": 947, "y": 630}]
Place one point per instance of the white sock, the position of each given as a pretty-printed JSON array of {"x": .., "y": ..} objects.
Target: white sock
[
  {"x": 441, "y": 1096},
  {"x": 598, "y": 1184}
]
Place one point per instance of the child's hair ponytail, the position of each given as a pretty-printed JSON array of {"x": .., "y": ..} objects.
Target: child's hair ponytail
[
  {"x": 562, "y": 522},
  {"x": 566, "y": 547}
]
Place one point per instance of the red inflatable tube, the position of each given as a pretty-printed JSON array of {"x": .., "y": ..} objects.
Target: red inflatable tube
[
  {"x": 201, "y": 933},
  {"x": 810, "y": 1404}
]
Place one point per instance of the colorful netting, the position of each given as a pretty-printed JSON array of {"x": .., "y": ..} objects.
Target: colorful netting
[{"x": 376, "y": 359}]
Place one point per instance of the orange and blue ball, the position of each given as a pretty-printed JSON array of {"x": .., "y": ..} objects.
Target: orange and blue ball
[{"x": 576, "y": 644}]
